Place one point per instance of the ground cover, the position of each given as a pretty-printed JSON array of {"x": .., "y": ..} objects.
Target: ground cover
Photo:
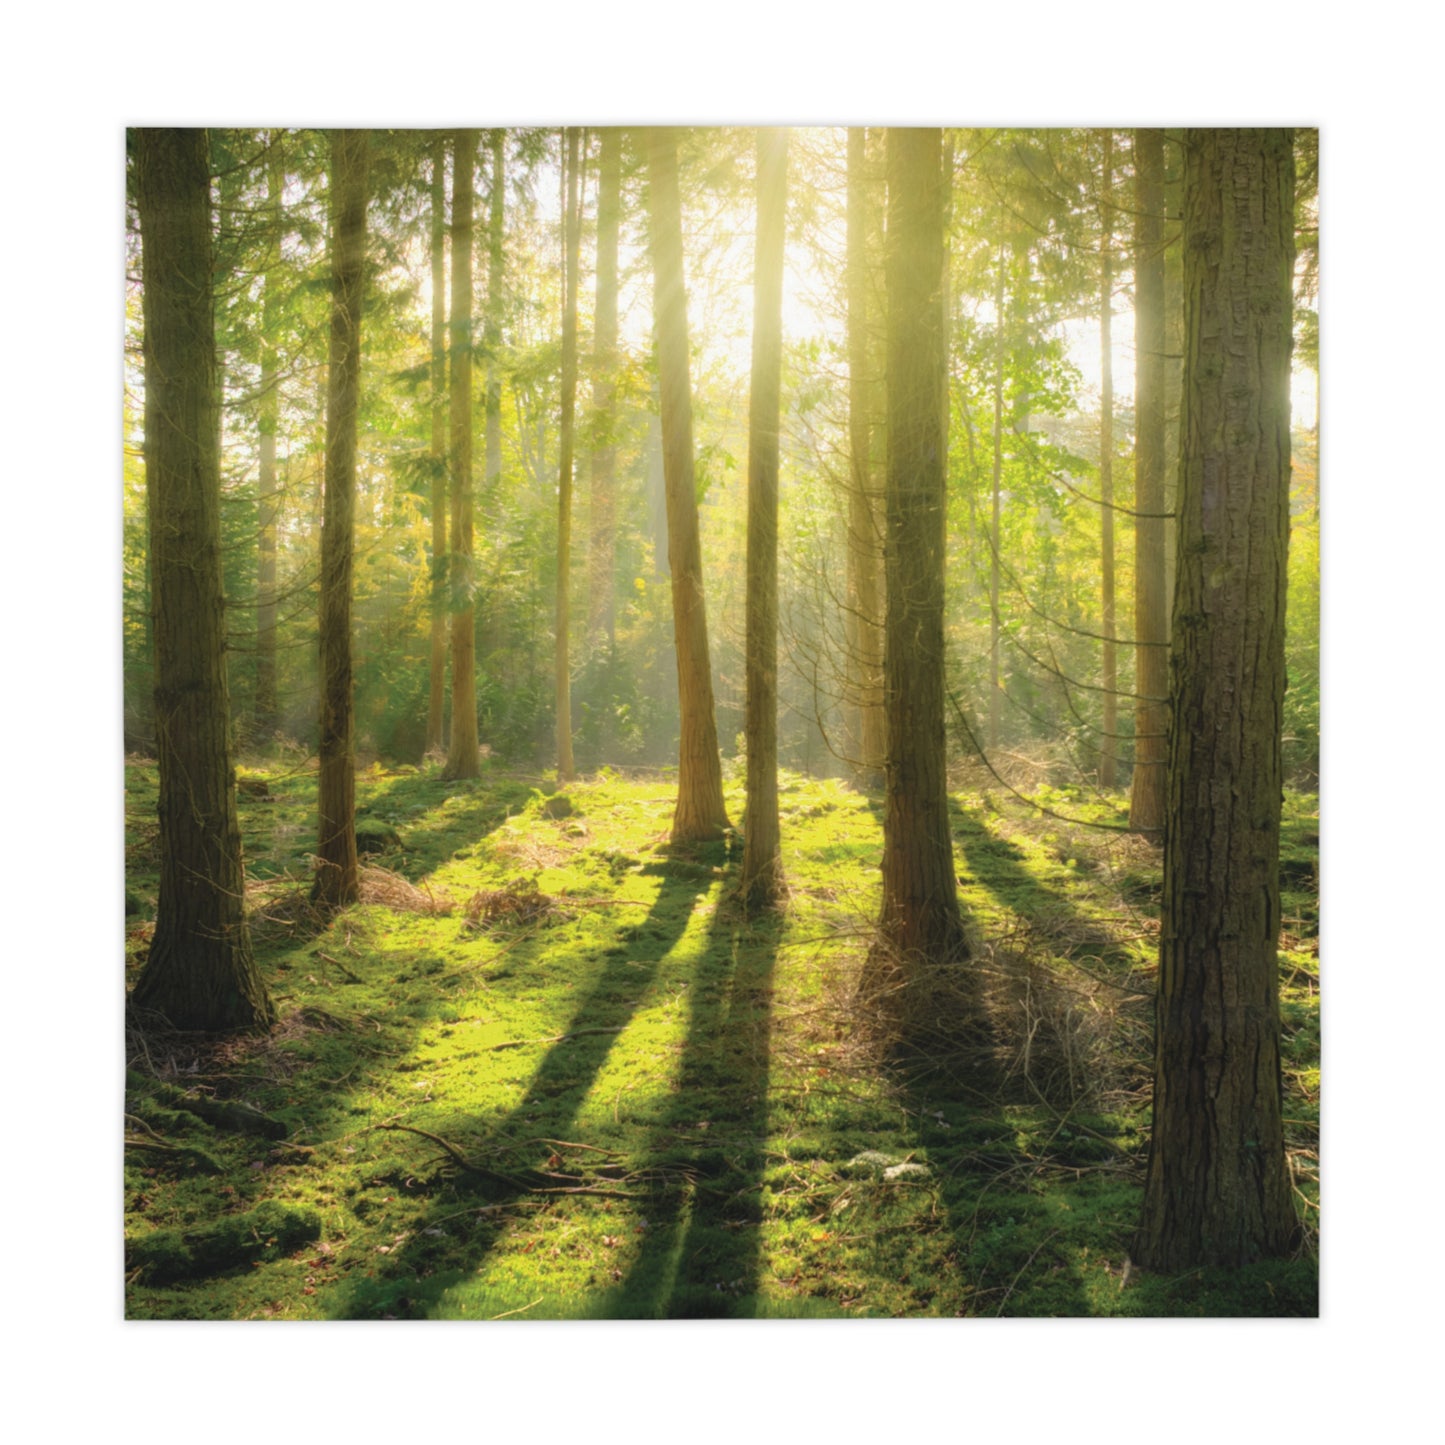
[{"x": 547, "y": 1069}]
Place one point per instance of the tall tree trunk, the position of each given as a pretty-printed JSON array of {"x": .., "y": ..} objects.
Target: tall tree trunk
[
  {"x": 1217, "y": 1190},
  {"x": 920, "y": 917},
  {"x": 200, "y": 973},
  {"x": 492, "y": 325},
  {"x": 762, "y": 868},
  {"x": 571, "y": 250},
  {"x": 1174, "y": 357},
  {"x": 995, "y": 679},
  {"x": 1151, "y": 627},
  {"x": 1108, "y": 743},
  {"x": 602, "y": 545},
  {"x": 700, "y": 811},
  {"x": 436, "y": 696},
  {"x": 337, "y": 880},
  {"x": 864, "y": 630},
  {"x": 463, "y": 757},
  {"x": 264, "y": 710}
]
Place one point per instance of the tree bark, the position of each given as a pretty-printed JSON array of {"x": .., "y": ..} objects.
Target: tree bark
[
  {"x": 1151, "y": 626},
  {"x": 602, "y": 544},
  {"x": 1108, "y": 742},
  {"x": 700, "y": 812},
  {"x": 865, "y": 549},
  {"x": 337, "y": 881},
  {"x": 1217, "y": 1190},
  {"x": 762, "y": 877},
  {"x": 995, "y": 679},
  {"x": 436, "y": 696},
  {"x": 571, "y": 250},
  {"x": 200, "y": 973},
  {"x": 920, "y": 917},
  {"x": 463, "y": 756},
  {"x": 264, "y": 711}
]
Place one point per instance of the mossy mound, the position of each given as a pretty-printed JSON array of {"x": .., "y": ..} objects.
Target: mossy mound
[
  {"x": 374, "y": 835},
  {"x": 266, "y": 1232}
]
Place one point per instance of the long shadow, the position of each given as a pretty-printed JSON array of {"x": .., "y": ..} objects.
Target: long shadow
[
  {"x": 1002, "y": 868},
  {"x": 559, "y": 1085},
  {"x": 430, "y": 840},
  {"x": 1015, "y": 1241},
  {"x": 701, "y": 1254}
]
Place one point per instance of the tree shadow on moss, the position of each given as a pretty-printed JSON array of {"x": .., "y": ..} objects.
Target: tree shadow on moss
[
  {"x": 411, "y": 1281},
  {"x": 701, "y": 1253}
]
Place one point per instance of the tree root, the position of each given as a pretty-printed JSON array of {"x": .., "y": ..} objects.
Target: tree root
[{"x": 529, "y": 1181}]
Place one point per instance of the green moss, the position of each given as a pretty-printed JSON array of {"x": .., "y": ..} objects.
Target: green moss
[{"x": 700, "y": 1069}]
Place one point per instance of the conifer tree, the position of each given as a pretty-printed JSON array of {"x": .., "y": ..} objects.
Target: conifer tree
[
  {"x": 1217, "y": 1190},
  {"x": 700, "y": 812},
  {"x": 199, "y": 973}
]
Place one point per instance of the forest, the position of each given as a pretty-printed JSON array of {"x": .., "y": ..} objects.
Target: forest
[{"x": 721, "y": 722}]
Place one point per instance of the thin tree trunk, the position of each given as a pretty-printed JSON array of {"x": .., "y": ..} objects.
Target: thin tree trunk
[
  {"x": 492, "y": 326},
  {"x": 571, "y": 248},
  {"x": 700, "y": 811},
  {"x": 995, "y": 687},
  {"x": 762, "y": 879},
  {"x": 264, "y": 713},
  {"x": 1217, "y": 1191},
  {"x": 602, "y": 544},
  {"x": 864, "y": 630},
  {"x": 1151, "y": 628},
  {"x": 1108, "y": 743},
  {"x": 200, "y": 973},
  {"x": 337, "y": 880},
  {"x": 436, "y": 696},
  {"x": 920, "y": 916},
  {"x": 463, "y": 757}
]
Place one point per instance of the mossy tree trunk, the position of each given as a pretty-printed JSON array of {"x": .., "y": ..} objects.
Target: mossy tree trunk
[
  {"x": 920, "y": 918},
  {"x": 337, "y": 881},
  {"x": 200, "y": 973},
  {"x": 463, "y": 756},
  {"x": 571, "y": 253},
  {"x": 864, "y": 628},
  {"x": 1151, "y": 620},
  {"x": 762, "y": 880},
  {"x": 1218, "y": 1190},
  {"x": 436, "y": 694},
  {"x": 700, "y": 812},
  {"x": 264, "y": 713}
]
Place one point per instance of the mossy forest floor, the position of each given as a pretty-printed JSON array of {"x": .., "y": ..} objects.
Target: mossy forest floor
[{"x": 546, "y": 1069}]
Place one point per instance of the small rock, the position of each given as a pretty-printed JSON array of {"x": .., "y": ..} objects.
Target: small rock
[
  {"x": 910, "y": 1170},
  {"x": 870, "y": 1161}
]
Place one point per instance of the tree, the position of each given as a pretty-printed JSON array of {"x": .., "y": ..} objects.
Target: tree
[
  {"x": 865, "y": 601},
  {"x": 1108, "y": 742},
  {"x": 700, "y": 812},
  {"x": 1151, "y": 624},
  {"x": 264, "y": 707},
  {"x": 200, "y": 973},
  {"x": 337, "y": 880},
  {"x": 761, "y": 881},
  {"x": 492, "y": 324},
  {"x": 602, "y": 543},
  {"x": 1218, "y": 1190},
  {"x": 920, "y": 918},
  {"x": 464, "y": 754},
  {"x": 436, "y": 691},
  {"x": 571, "y": 247}
]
